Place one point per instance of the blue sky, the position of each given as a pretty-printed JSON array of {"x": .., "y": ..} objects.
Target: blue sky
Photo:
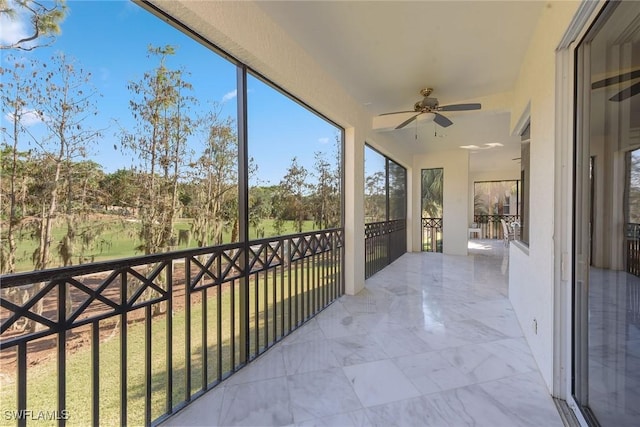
[{"x": 110, "y": 40}]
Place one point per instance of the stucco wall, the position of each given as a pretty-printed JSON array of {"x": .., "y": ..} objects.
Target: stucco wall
[
  {"x": 455, "y": 207},
  {"x": 531, "y": 270}
]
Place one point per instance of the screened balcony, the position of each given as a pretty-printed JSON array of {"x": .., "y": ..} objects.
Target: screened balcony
[{"x": 163, "y": 337}]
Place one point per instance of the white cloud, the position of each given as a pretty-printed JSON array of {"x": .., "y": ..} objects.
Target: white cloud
[
  {"x": 229, "y": 95},
  {"x": 13, "y": 28},
  {"x": 323, "y": 140},
  {"x": 27, "y": 117}
]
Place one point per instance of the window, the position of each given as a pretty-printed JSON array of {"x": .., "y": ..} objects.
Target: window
[
  {"x": 375, "y": 186},
  {"x": 295, "y": 166},
  {"x": 132, "y": 164},
  {"x": 385, "y": 188},
  {"x": 495, "y": 197},
  {"x": 150, "y": 150},
  {"x": 525, "y": 138},
  {"x": 397, "y": 191},
  {"x": 385, "y": 211},
  {"x": 432, "y": 190}
]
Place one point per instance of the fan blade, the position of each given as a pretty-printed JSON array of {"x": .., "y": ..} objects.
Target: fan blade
[
  {"x": 442, "y": 120},
  {"x": 460, "y": 107},
  {"x": 397, "y": 112},
  {"x": 626, "y": 93},
  {"x": 406, "y": 122},
  {"x": 616, "y": 79}
]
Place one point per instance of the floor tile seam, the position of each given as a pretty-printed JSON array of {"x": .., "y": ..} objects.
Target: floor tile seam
[
  {"x": 447, "y": 361},
  {"x": 476, "y": 389},
  {"x": 477, "y": 383},
  {"x": 490, "y": 346},
  {"x": 311, "y": 370},
  {"x": 365, "y": 407},
  {"x": 371, "y": 409},
  {"x": 448, "y": 347},
  {"x": 368, "y": 340},
  {"x": 504, "y": 334},
  {"x": 509, "y": 338},
  {"x": 289, "y": 402},
  {"x": 261, "y": 368},
  {"x": 513, "y": 412},
  {"x": 502, "y": 378},
  {"x": 219, "y": 411},
  {"x": 346, "y": 377},
  {"x": 471, "y": 376},
  {"x": 507, "y": 362},
  {"x": 363, "y": 410}
]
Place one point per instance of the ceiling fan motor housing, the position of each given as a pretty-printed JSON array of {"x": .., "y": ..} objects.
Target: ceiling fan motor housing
[
  {"x": 431, "y": 105},
  {"x": 426, "y": 104}
]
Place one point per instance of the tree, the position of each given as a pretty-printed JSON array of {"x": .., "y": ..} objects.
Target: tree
[
  {"x": 432, "y": 191},
  {"x": 59, "y": 97},
  {"x": 66, "y": 102},
  {"x": 18, "y": 92},
  {"x": 260, "y": 207},
  {"x": 83, "y": 192},
  {"x": 326, "y": 203},
  {"x": 293, "y": 190},
  {"x": 215, "y": 171},
  {"x": 375, "y": 204},
  {"x": 161, "y": 108},
  {"x": 119, "y": 189},
  {"x": 43, "y": 22},
  {"x": 397, "y": 191}
]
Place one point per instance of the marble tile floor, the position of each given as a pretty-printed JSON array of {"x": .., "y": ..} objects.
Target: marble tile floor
[{"x": 431, "y": 341}]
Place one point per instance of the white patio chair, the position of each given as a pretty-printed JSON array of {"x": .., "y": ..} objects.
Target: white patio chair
[{"x": 507, "y": 232}]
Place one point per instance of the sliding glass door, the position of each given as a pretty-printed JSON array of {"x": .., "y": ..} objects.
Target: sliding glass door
[{"x": 606, "y": 341}]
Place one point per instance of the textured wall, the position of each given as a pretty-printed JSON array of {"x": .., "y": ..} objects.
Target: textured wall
[
  {"x": 531, "y": 272},
  {"x": 455, "y": 197}
]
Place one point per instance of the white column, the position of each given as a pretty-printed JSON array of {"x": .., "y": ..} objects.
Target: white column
[
  {"x": 412, "y": 234},
  {"x": 354, "y": 212}
]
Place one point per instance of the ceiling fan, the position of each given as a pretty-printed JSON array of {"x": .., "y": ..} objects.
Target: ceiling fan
[
  {"x": 431, "y": 105},
  {"x": 626, "y": 93}
]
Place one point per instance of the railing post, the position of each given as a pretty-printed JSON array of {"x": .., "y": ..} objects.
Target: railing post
[
  {"x": 62, "y": 351},
  {"x": 243, "y": 212}
]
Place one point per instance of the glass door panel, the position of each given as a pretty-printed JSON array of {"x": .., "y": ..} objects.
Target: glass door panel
[{"x": 607, "y": 212}]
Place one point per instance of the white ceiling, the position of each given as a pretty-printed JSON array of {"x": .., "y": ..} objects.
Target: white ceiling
[{"x": 384, "y": 52}]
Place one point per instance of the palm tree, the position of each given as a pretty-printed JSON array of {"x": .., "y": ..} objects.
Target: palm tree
[{"x": 432, "y": 190}]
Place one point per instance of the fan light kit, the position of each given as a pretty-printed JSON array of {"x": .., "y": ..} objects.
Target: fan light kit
[
  {"x": 432, "y": 105},
  {"x": 487, "y": 146}
]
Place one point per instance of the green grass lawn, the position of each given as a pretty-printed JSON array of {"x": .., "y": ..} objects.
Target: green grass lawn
[{"x": 120, "y": 238}]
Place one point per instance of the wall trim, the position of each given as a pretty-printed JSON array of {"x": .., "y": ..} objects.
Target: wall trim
[
  {"x": 581, "y": 22},
  {"x": 523, "y": 121}
]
